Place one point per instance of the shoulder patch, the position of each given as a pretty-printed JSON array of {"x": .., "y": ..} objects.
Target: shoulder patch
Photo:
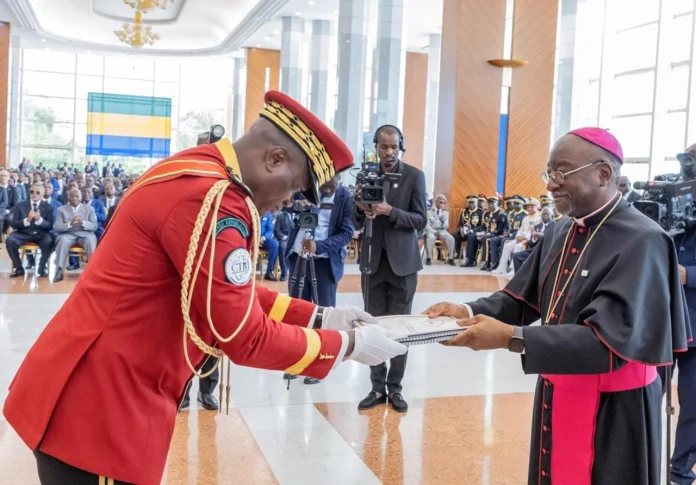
[
  {"x": 232, "y": 223},
  {"x": 238, "y": 270}
]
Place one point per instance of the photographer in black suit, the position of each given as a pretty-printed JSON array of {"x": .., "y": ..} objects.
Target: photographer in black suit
[{"x": 395, "y": 255}]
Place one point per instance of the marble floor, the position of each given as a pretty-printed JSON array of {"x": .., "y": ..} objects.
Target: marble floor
[{"x": 468, "y": 420}]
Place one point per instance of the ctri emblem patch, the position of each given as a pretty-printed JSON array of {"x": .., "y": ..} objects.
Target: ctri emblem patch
[{"x": 238, "y": 270}]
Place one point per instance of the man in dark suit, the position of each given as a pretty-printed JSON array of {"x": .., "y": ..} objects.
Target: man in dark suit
[
  {"x": 627, "y": 191},
  {"x": 395, "y": 256},
  {"x": 32, "y": 221},
  {"x": 281, "y": 232},
  {"x": 327, "y": 245}
]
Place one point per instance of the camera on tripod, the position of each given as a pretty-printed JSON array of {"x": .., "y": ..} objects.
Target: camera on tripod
[
  {"x": 214, "y": 135},
  {"x": 669, "y": 199},
  {"x": 375, "y": 187},
  {"x": 304, "y": 217}
]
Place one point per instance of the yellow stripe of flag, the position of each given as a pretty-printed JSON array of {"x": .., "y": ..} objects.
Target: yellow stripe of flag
[{"x": 111, "y": 124}]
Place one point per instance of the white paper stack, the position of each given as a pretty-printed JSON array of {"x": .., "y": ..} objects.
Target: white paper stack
[{"x": 419, "y": 329}]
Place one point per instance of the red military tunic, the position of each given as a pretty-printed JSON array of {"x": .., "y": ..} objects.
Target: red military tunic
[{"x": 100, "y": 388}]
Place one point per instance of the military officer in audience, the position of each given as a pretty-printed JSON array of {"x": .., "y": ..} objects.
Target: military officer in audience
[
  {"x": 540, "y": 229},
  {"x": 545, "y": 201},
  {"x": 464, "y": 225},
  {"x": 482, "y": 199},
  {"x": 522, "y": 236},
  {"x": 438, "y": 223},
  {"x": 492, "y": 224},
  {"x": 76, "y": 223},
  {"x": 515, "y": 216},
  {"x": 497, "y": 227}
]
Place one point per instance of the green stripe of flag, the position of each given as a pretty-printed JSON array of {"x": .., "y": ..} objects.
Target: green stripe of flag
[{"x": 129, "y": 105}]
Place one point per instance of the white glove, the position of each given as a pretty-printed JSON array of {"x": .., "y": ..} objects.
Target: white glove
[
  {"x": 342, "y": 317},
  {"x": 373, "y": 346}
]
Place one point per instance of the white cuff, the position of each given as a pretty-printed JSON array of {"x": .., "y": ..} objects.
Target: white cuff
[
  {"x": 341, "y": 353},
  {"x": 311, "y": 319},
  {"x": 468, "y": 309},
  {"x": 26, "y": 223},
  {"x": 38, "y": 223}
]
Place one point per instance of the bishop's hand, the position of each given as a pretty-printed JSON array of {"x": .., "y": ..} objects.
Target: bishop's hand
[
  {"x": 447, "y": 309},
  {"x": 484, "y": 333}
]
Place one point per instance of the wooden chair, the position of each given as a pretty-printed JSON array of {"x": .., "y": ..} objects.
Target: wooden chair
[
  {"x": 263, "y": 256},
  {"x": 23, "y": 249},
  {"x": 440, "y": 249},
  {"x": 74, "y": 250}
]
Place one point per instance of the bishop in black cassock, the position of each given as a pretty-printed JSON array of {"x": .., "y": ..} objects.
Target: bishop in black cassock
[{"x": 605, "y": 284}]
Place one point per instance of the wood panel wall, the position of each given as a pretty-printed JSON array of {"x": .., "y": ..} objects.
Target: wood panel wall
[
  {"x": 531, "y": 96},
  {"x": 414, "y": 107},
  {"x": 469, "y": 100},
  {"x": 258, "y": 60},
  {"x": 4, "y": 89}
]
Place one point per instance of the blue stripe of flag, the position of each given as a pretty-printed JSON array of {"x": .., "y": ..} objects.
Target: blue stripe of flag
[{"x": 127, "y": 146}]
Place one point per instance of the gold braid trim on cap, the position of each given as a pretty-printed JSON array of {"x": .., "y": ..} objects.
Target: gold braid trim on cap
[{"x": 294, "y": 127}]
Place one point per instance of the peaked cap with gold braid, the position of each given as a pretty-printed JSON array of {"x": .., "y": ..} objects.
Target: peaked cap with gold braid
[{"x": 326, "y": 153}]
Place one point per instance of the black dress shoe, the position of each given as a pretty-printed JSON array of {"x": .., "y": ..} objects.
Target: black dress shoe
[
  {"x": 311, "y": 380},
  {"x": 428, "y": 262},
  {"x": 451, "y": 262},
  {"x": 208, "y": 401},
  {"x": 283, "y": 277},
  {"x": 485, "y": 266},
  {"x": 270, "y": 277},
  {"x": 371, "y": 401},
  {"x": 18, "y": 272},
  {"x": 185, "y": 403},
  {"x": 43, "y": 273},
  {"x": 31, "y": 265},
  {"x": 289, "y": 377},
  {"x": 397, "y": 402},
  {"x": 494, "y": 267},
  {"x": 73, "y": 267},
  {"x": 59, "y": 275}
]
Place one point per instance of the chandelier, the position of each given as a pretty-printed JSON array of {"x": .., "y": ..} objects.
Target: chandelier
[
  {"x": 146, "y": 5},
  {"x": 136, "y": 34}
]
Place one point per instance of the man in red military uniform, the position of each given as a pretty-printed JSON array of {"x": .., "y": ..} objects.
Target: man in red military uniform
[{"x": 171, "y": 284}]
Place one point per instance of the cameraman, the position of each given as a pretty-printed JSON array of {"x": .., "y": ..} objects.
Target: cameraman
[
  {"x": 684, "y": 455},
  {"x": 395, "y": 257}
]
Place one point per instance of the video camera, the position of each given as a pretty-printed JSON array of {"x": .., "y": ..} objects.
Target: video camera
[
  {"x": 304, "y": 217},
  {"x": 375, "y": 187},
  {"x": 213, "y": 136},
  {"x": 669, "y": 199}
]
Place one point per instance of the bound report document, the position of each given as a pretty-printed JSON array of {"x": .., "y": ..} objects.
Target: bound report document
[{"x": 419, "y": 329}]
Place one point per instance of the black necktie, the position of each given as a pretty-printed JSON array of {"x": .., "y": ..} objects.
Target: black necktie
[{"x": 36, "y": 207}]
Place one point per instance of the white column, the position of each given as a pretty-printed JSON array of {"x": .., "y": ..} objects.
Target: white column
[
  {"x": 14, "y": 141},
  {"x": 390, "y": 61},
  {"x": 431, "y": 102},
  {"x": 238, "y": 94},
  {"x": 319, "y": 67},
  {"x": 291, "y": 57}
]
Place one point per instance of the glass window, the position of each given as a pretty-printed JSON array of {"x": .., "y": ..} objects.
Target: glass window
[
  {"x": 215, "y": 71},
  {"x": 53, "y": 61},
  {"x": 89, "y": 84},
  {"x": 167, "y": 71},
  {"x": 682, "y": 6},
  {"x": 81, "y": 111},
  {"x": 636, "y": 172},
  {"x": 48, "y": 84},
  {"x": 635, "y": 48},
  {"x": 128, "y": 86},
  {"x": 49, "y": 157},
  {"x": 53, "y": 109},
  {"x": 633, "y": 93},
  {"x": 592, "y": 101},
  {"x": 80, "y": 135},
  {"x": 167, "y": 90},
  {"x": 675, "y": 133},
  {"x": 634, "y": 135},
  {"x": 629, "y": 13},
  {"x": 678, "y": 87},
  {"x": 89, "y": 64},
  {"x": 679, "y": 38},
  {"x": 45, "y": 132},
  {"x": 129, "y": 68}
]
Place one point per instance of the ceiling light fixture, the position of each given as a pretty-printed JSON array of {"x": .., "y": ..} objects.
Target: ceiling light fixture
[
  {"x": 135, "y": 34},
  {"x": 147, "y": 5}
]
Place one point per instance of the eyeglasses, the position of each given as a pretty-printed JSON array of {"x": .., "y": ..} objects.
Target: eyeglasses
[
  {"x": 559, "y": 177},
  {"x": 35, "y": 192}
]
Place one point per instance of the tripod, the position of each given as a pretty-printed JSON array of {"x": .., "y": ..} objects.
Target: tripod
[
  {"x": 299, "y": 273},
  {"x": 365, "y": 259},
  {"x": 669, "y": 411}
]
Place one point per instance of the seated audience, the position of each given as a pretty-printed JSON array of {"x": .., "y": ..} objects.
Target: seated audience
[
  {"x": 76, "y": 224},
  {"x": 522, "y": 237},
  {"x": 269, "y": 244},
  {"x": 109, "y": 199},
  {"x": 99, "y": 210},
  {"x": 438, "y": 223},
  {"x": 540, "y": 229},
  {"x": 32, "y": 221},
  {"x": 50, "y": 198}
]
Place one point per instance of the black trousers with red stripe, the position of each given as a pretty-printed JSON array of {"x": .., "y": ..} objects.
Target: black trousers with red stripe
[{"x": 54, "y": 472}]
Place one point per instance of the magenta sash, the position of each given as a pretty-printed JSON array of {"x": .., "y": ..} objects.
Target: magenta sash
[{"x": 574, "y": 413}]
